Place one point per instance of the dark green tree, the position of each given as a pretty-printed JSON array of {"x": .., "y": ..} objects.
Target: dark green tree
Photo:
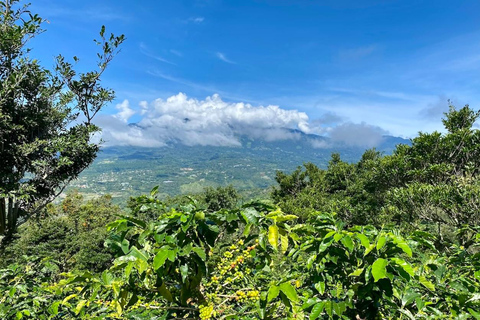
[
  {"x": 45, "y": 117},
  {"x": 221, "y": 198}
]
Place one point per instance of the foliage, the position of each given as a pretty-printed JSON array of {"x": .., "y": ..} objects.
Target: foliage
[
  {"x": 221, "y": 198},
  {"x": 44, "y": 143},
  {"x": 186, "y": 265},
  {"x": 434, "y": 181},
  {"x": 71, "y": 235}
]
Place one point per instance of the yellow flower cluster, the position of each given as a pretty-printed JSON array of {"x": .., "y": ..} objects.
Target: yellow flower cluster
[{"x": 206, "y": 312}]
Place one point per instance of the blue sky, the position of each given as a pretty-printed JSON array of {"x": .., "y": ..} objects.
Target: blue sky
[{"x": 390, "y": 65}]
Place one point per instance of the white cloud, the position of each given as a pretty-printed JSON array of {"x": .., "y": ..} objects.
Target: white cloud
[
  {"x": 146, "y": 51},
  {"x": 214, "y": 122},
  {"x": 357, "y": 134},
  {"x": 222, "y": 57},
  {"x": 124, "y": 111}
]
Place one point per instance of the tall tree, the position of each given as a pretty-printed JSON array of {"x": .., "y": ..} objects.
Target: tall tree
[{"x": 45, "y": 117}]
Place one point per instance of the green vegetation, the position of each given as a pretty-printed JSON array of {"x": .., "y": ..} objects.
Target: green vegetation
[
  {"x": 389, "y": 237},
  {"x": 131, "y": 171},
  {"x": 44, "y": 144}
]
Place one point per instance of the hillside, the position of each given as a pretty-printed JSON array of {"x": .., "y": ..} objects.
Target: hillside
[{"x": 125, "y": 171}]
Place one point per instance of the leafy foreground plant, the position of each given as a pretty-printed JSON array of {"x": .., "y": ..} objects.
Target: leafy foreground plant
[{"x": 255, "y": 262}]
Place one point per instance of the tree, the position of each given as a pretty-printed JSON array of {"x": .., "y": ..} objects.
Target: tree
[{"x": 45, "y": 117}]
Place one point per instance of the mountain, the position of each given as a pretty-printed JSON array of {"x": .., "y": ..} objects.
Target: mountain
[{"x": 125, "y": 171}]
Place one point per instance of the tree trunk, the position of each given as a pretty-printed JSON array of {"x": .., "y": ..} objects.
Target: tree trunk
[
  {"x": 12, "y": 216},
  {"x": 3, "y": 216}
]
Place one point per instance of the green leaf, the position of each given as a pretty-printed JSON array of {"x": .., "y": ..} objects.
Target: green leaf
[
  {"x": 430, "y": 286},
  {"x": 339, "y": 308},
  {"x": 317, "y": 310},
  {"x": 381, "y": 242},
  {"x": 474, "y": 313},
  {"x": 125, "y": 245},
  {"x": 289, "y": 291},
  {"x": 53, "y": 309},
  {"x": 165, "y": 292},
  {"x": 363, "y": 240},
  {"x": 273, "y": 292},
  {"x": 154, "y": 191},
  {"x": 369, "y": 249},
  {"x": 273, "y": 236},
  {"x": 184, "y": 272},
  {"x": 356, "y": 273},
  {"x": 250, "y": 215},
  {"x": 284, "y": 243},
  {"x": 160, "y": 258},
  {"x": 329, "y": 308},
  {"x": 347, "y": 242},
  {"x": 138, "y": 254},
  {"x": 405, "y": 265},
  {"x": 379, "y": 269},
  {"x": 320, "y": 286},
  {"x": 107, "y": 278},
  {"x": 402, "y": 244},
  {"x": 80, "y": 306},
  {"x": 337, "y": 237},
  {"x": 200, "y": 252}
]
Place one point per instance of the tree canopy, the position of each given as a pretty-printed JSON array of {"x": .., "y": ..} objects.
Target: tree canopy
[{"x": 45, "y": 117}]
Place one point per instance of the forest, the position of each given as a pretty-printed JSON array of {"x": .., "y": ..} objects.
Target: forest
[{"x": 388, "y": 237}]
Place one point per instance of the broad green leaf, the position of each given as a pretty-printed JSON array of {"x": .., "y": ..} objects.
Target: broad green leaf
[
  {"x": 329, "y": 308},
  {"x": 328, "y": 235},
  {"x": 80, "y": 306},
  {"x": 310, "y": 302},
  {"x": 125, "y": 246},
  {"x": 409, "y": 296},
  {"x": 363, "y": 240},
  {"x": 369, "y": 249},
  {"x": 379, "y": 269},
  {"x": 407, "y": 313},
  {"x": 402, "y": 244},
  {"x": 284, "y": 242},
  {"x": 324, "y": 246},
  {"x": 430, "y": 286},
  {"x": 68, "y": 298},
  {"x": 339, "y": 308},
  {"x": 273, "y": 292},
  {"x": 172, "y": 254},
  {"x": 475, "y": 297},
  {"x": 317, "y": 310},
  {"x": 289, "y": 291},
  {"x": 405, "y": 265},
  {"x": 250, "y": 215},
  {"x": 337, "y": 237},
  {"x": 246, "y": 231},
  {"x": 320, "y": 286},
  {"x": 107, "y": 277},
  {"x": 273, "y": 236},
  {"x": 53, "y": 309},
  {"x": 165, "y": 292},
  {"x": 160, "y": 258},
  {"x": 154, "y": 191},
  {"x": 356, "y": 273},
  {"x": 200, "y": 252},
  {"x": 287, "y": 217},
  {"x": 347, "y": 242},
  {"x": 184, "y": 272},
  {"x": 138, "y": 254},
  {"x": 474, "y": 313},
  {"x": 381, "y": 242}
]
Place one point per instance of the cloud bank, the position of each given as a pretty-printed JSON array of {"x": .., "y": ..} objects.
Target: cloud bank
[{"x": 214, "y": 122}]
